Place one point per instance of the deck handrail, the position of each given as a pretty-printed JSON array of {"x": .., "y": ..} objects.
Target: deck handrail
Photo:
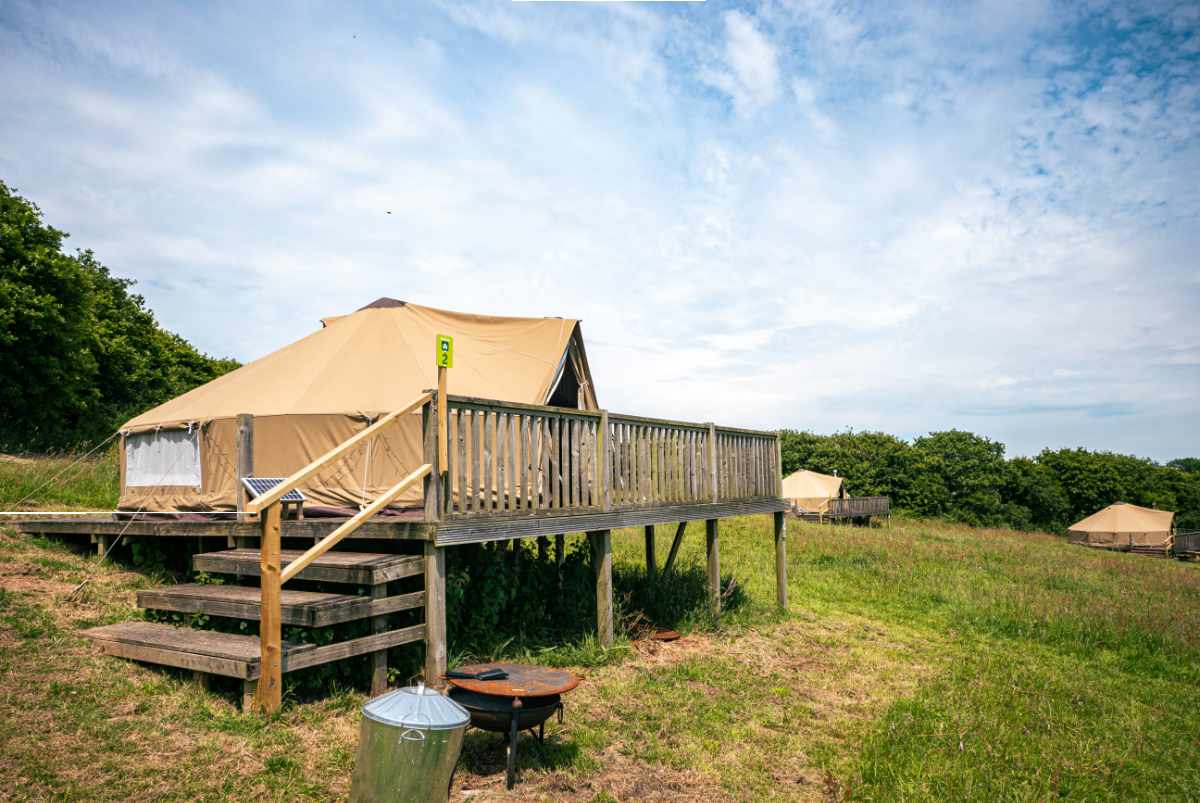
[
  {"x": 260, "y": 503},
  {"x": 353, "y": 523},
  {"x": 269, "y": 694}
]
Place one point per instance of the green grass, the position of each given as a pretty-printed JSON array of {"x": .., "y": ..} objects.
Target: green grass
[
  {"x": 925, "y": 661},
  {"x": 60, "y": 483}
]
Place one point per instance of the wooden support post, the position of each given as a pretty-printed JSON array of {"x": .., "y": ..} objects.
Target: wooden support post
[
  {"x": 714, "y": 566},
  {"x": 602, "y": 569},
  {"x": 101, "y": 546},
  {"x": 650, "y": 561},
  {"x": 245, "y": 459},
  {"x": 270, "y": 680},
  {"x": 543, "y": 548},
  {"x": 433, "y": 446},
  {"x": 249, "y": 689},
  {"x": 435, "y": 613},
  {"x": 443, "y": 428},
  {"x": 781, "y": 561},
  {"x": 560, "y": 555},
  {"x": 203, "y": 680},
  {"x": 245, "y": 468},
  {"x": 379, "y": 659},
  {"x": 679, "y": 531}
]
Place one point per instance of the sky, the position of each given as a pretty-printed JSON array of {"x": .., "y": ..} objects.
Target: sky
[{"x": 803, "y": 213}]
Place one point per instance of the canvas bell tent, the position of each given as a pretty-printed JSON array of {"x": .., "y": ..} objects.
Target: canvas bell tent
[
  {"x": 810, "y": 492},
  {"x": 309, "y": 396},
  {"x": 1122, "y": 526}
]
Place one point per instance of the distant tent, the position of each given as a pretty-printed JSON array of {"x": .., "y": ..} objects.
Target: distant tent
[
  {"x": 1123, "y": 525},
  {"x": 313, "y": 394},
  {"x": 812, "y": 491}
]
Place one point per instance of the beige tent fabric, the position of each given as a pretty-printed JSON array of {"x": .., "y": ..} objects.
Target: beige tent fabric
[
  {"x": 1123, "y": 525},
  {"x": 812, "y": 491},
  {"x": 313, "y": 394}
]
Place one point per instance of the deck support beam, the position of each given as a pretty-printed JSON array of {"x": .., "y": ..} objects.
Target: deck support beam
[
  {"x": 435, "y": 614},
  {"x": 714, "y": 566},
  {"x": 601, "y": 541},
  {"x": 379, "y": 659},
  {"x": 781, "y": 561},
  {"x": 270, "y": 682},
  {"x": 651, "y": 562},
  {"x": 560, "y": 556},
  {"x": 675, "y": 543}
]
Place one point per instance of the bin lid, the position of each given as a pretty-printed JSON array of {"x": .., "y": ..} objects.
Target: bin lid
[{"x": 417, "y": 707}]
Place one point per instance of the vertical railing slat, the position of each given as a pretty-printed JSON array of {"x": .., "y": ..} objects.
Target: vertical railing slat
[
  {"x": 546, "y": 451},
  {"x": 461, "y": 432},
  {"x": 489, "y": 458},
  {"x": 501, "y": 453}
]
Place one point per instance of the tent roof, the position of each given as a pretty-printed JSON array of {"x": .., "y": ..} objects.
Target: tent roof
[
  {"x": 1125, "y": 518},
  {"x": 381, "y": 357},
  {"x": 805, "y": 484}
]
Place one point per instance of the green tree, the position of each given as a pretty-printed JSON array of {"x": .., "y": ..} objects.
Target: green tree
[
  {"x": 1033, "y": 497},
  {"x": 1190, "y": 464},
  {"x": 79, "y": 353},
  {"x": 972, "y": 471}
]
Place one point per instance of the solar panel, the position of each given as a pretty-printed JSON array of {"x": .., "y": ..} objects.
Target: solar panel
[{"x": 258, "y": 486}]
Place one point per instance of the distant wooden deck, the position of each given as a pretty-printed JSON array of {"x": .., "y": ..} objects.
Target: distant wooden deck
[{"x": 853, "y": 507}]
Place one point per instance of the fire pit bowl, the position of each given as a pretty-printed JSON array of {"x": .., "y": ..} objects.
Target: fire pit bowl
[
  {"x": 495, "y": 714},
  {"x": 520, "y": 702}
]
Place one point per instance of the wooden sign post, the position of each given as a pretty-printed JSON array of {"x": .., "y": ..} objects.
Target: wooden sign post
[{"x": 444, "y": 357}]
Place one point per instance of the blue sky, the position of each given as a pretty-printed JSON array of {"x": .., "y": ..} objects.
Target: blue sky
[{"x": 810, "y": 214}]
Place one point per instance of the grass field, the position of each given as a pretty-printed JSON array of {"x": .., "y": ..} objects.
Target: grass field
[{"x": 925, "y": 661}]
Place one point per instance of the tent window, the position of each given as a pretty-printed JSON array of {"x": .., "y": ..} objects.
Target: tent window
[
  {"x": 165, "y": 457},
  {"x": 566, "y": 393}
]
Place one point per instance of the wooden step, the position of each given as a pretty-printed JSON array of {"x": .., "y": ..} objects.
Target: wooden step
[
  {"x": 359, "y": 568},
  {"x": 226, "y": 653},
  {"x": 303, "y": 608}
]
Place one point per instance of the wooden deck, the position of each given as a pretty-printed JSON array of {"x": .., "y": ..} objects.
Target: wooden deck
[
  {"x": 852, "y": 507},
  {"x": 492, "y": 471}
]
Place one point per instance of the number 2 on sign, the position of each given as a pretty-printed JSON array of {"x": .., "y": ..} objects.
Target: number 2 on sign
[{"x": 445, "y": 351}]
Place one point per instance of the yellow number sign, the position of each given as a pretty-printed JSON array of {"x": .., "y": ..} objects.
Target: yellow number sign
[{"x": 445, "y": 351}]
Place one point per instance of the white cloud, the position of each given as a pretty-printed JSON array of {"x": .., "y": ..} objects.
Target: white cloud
[{"x": 750, "y": 75}]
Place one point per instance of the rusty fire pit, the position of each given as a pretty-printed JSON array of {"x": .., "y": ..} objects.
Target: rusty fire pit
[{"x": 521, "y": 702}]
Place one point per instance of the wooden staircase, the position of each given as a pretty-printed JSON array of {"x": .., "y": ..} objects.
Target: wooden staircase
[{"x": 207, "y": 652}]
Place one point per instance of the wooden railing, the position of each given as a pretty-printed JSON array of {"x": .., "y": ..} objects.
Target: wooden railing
[
  {"x": 517, "y": 459},
  {"x": 520, "y": 459},
  {"x": 860, "y": 506}
]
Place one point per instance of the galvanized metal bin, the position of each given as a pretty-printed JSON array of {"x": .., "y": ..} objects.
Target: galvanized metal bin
[{"x": 408, "y": 746}]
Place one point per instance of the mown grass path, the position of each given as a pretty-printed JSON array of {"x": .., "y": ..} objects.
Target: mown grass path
[{"x": 924, "y": 661}]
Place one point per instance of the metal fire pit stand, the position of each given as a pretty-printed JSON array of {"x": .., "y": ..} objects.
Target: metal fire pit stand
[
  {"x": 534, "y": 693},
  {"x": 514, "y": 732}
]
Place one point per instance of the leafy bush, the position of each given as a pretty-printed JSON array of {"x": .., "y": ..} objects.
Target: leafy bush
[{"x": 79, "y": 353}]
